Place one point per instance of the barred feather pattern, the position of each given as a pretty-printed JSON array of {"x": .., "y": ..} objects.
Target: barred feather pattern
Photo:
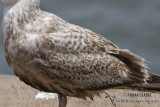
[{"x": 53, "y": 55}]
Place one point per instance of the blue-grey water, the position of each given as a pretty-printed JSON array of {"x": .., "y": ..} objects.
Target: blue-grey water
[{"x": 130, "y": 24}]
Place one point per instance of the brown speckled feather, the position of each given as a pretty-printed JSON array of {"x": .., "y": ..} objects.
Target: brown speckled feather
[{"x": 53, "y": 55}]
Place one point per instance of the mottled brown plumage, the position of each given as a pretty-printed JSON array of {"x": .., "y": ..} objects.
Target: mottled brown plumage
[{"x": 53, "y": 55}]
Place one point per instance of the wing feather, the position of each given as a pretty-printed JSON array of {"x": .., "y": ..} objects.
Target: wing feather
[
  {"x": 79, "y": 42},
  {"x": 82, "y": 71},
  {"x": 81, "y": 59}
]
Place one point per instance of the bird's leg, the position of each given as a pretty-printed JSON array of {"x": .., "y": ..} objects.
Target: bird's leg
[{"x": 62, "y": 100}]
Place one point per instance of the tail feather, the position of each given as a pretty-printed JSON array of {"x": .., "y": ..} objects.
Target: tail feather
[
  {"x": 139, "y": 77},
  {"x": 152, "y": 86},
  {"x": 138, "y": 73},
  {"x": 153, "y": 83},
  {"x": 153, "y": 78}
]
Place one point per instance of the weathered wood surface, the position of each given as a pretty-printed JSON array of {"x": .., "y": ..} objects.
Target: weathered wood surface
[{"x": 14, "y": 93}]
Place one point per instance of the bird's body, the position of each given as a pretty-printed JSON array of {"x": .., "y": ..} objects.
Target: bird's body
[{"x": 53, "y": 55}]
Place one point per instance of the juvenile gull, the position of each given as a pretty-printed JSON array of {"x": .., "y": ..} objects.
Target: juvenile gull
[{"x": 53, "y": 55}]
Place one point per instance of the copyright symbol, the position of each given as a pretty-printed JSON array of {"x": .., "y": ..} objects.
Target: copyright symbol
[{"x": 125, "y": 94}]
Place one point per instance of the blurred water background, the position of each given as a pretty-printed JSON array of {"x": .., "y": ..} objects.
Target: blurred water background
[{"x": 130, "y": 24}]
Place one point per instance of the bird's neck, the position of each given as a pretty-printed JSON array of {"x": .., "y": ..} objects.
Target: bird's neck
[
  {"x": 19, "y": 14},
  {"x": 29, "y": 4},
  {"x": 21, "y": 6},
  {"x": 22, "y": 2}
]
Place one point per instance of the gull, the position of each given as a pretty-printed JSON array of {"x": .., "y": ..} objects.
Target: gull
[{"x": 53, "y": 55}]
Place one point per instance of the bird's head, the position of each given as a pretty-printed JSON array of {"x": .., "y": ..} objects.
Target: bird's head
[{"x": 9, "y": 2}]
